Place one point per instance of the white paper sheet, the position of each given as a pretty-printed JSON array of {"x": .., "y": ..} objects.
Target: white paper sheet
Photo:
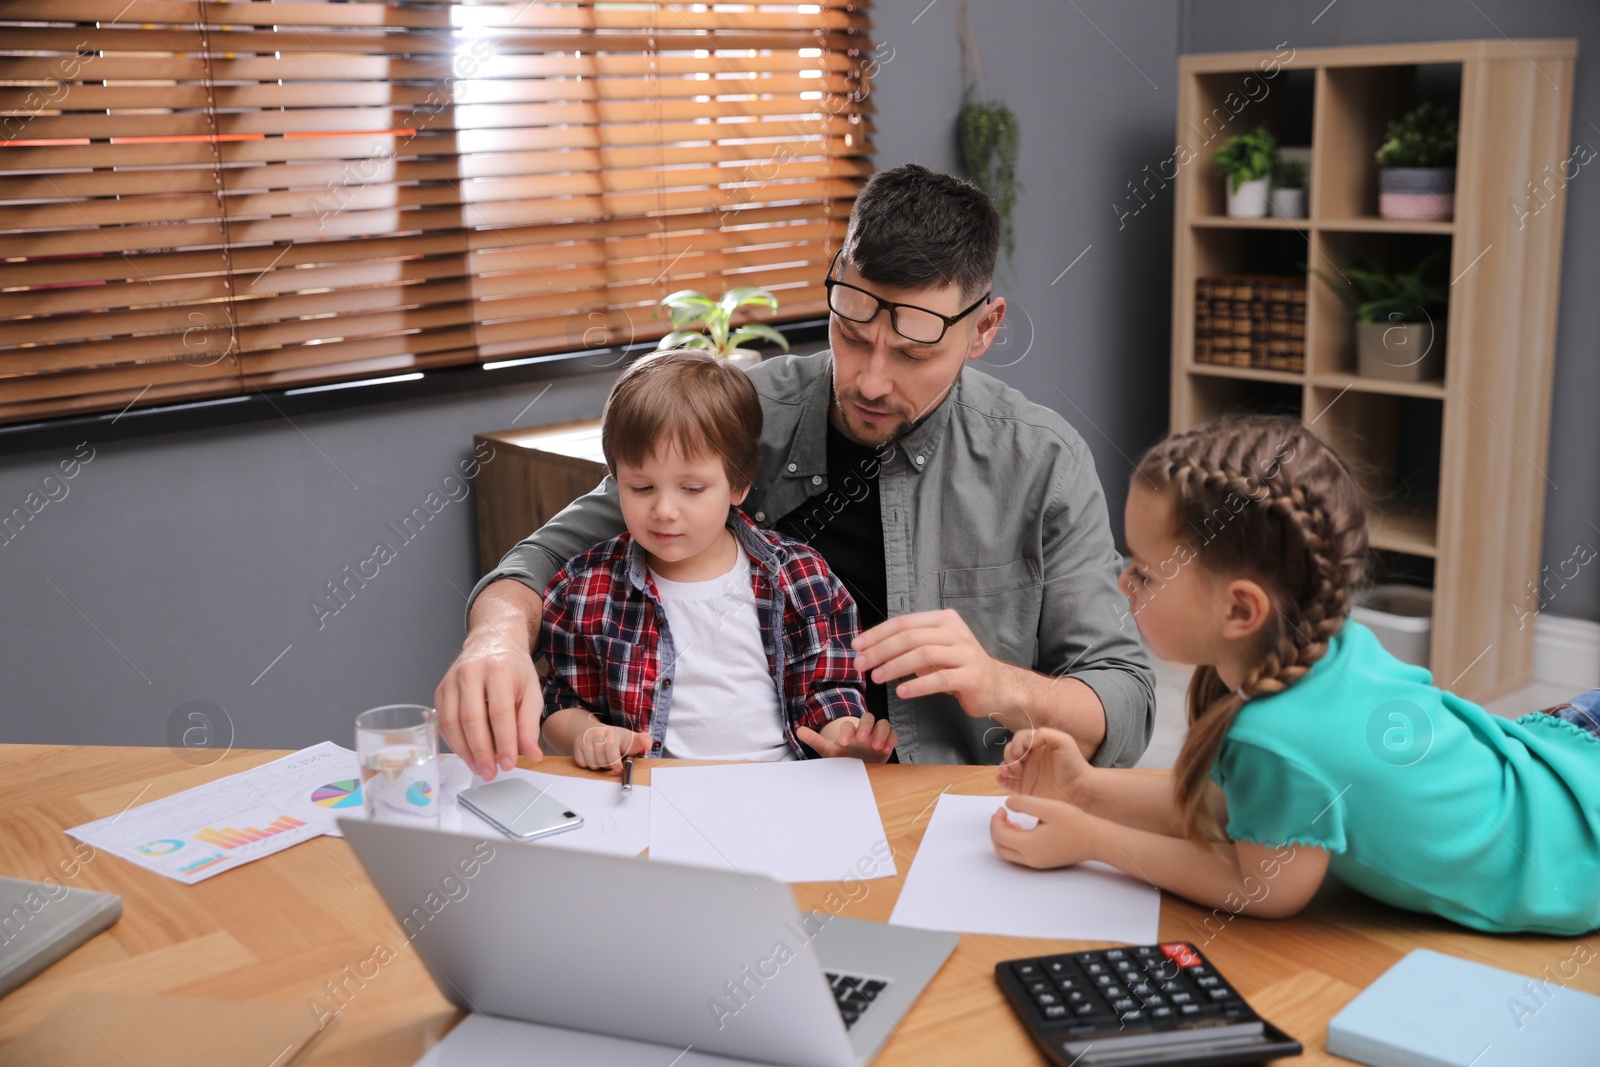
[
  {"x": 201, "y": 832},
  {"x": 958, "y": 883},
  {"x": 490, "y": 1041},
  {"x": 614, "y": 822},
  {"x": 805, "y": 821}
]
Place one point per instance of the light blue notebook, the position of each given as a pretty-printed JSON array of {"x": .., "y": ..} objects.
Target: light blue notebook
[{"x": 1433, "y": 1010}]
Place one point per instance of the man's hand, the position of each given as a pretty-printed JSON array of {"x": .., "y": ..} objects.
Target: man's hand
[
  {"x": 939, "y": 653},
  {"x": 489, "y": 700},
  {"x": 601, "y": 748},
  {"x": 1046, "y": 763},
  {"x": 861, "y": 738},
  {"x": 1062, "y": 837}
]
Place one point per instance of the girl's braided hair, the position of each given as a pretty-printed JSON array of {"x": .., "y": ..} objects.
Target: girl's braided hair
[{"x": 1276, "y": 504}]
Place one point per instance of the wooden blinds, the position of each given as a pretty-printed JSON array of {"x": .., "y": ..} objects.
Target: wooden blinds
[{"x": 201, "y": 199}]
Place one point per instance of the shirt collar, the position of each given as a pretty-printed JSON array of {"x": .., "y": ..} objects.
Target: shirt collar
[
  {"x": 808, "y": 454},
  {"x": 757, "y": 544}
]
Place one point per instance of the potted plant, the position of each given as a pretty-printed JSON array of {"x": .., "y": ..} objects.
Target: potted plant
[
  {"x": 1289, "y": 189},
  {"x": 988, "y": 137},
  {"x": 686, "y": 308},
  {"x": 1399, "y": 317},
  {"x": 1246, "y": 162},
  {"x": 1417, "y": 166}
]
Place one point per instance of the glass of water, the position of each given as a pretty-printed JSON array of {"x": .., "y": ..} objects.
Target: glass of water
[{"x": 398, "y": 746}]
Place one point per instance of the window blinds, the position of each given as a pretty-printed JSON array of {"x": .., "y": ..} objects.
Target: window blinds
[{"x": 204, "y": 199}]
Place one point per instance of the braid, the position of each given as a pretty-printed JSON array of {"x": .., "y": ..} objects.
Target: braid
[{"x": 1300, "y": 529}]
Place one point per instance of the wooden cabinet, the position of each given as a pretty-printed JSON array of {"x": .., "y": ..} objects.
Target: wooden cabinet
[
  {"x": 535, "y": 473},
  {"x": 1455, "y": 467}
]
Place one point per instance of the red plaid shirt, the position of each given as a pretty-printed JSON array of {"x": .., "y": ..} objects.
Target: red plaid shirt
[{"x": 603, "y": 624}]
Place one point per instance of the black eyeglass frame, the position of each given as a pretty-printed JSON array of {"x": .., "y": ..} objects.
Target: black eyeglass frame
[{"x": 829, "y": 282}]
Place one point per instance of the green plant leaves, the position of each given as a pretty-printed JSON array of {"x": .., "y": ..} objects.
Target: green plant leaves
[
  {"x": 1245, "y": 157},
  {"x": 686, "y": 307},
  {"x": 988, "y": 139},
  {"x": 1376, "y": 294},
  {"x": 753, "y": 330},
  {"x": 1425, "y": 136}
]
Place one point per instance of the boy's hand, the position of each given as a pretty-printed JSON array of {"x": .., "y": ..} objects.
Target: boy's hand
[
  {"x": 1062, "y": 838},
  {"x": 601, "y": 748},
  {"x": 1045, "y": 763},
  {"x": 865, "y": 738}
]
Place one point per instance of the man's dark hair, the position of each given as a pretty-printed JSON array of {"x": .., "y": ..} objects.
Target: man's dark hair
[{"x": 915, "y": 227}]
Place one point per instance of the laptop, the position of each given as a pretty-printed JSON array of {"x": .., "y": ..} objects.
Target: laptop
[{"x": 718, "y": 961}]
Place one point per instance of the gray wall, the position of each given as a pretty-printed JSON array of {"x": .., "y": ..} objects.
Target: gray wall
[
  {"x": 178, "y": 568},
  {"x": 1572, "y": 509}
]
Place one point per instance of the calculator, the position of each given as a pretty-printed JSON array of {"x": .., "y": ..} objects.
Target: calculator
[{"x": 1145, "y": 1004}]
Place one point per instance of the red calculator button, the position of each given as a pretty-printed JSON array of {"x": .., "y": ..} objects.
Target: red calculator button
[{"x": 1181, "y": 954}]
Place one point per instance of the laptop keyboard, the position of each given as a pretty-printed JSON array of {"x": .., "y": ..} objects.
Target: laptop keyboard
[{"x": 854, "y": 993}]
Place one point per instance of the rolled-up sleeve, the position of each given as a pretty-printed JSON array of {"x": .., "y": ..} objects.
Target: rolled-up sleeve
[
  {"x": 1085, "y": 630},
  {"x": 535, "y": 559}
]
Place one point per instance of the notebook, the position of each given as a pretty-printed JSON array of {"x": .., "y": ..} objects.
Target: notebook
[
  {"x": 1433, "y": 1010},
  {"x": 42, "y": 921}
]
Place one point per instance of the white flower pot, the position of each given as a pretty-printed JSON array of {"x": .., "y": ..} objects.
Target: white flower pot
[
  {"x": 1289, "y": 203},
  {"x": 1250, "y": 202},
  {"x": 743, "y": 358}
]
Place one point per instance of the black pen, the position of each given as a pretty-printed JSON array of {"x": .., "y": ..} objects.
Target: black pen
[{"x": 627, "y": 774}]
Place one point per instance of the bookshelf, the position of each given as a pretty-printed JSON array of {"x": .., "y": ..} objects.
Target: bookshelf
[{"x": 1455, "y": 468}]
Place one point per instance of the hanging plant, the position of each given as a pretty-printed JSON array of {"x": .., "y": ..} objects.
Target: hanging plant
[{"x": 987, "y": 136}]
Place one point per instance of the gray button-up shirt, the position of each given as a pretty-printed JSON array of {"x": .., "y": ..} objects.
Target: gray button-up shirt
[{"x": 991, "y": 506}]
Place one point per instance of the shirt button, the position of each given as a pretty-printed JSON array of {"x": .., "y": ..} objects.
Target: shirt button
[
  {"x": 667, "y": 683},
  {"x": 793, "y": 467},
  {"x": 816, "y": 479},
  {"x": 919, "y": 460},
  {"x": 761, "y": 516}
]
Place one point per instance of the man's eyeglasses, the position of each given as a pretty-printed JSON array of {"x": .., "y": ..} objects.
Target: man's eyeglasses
[{"x": 911, "y": 322}]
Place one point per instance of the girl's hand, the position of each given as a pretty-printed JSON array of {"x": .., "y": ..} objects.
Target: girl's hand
[
  {"x": 1062, "y": 838},
  {"x": 1045, "y": 763},
  {"x": 601, "y": 747},
  {"x": 862, "y": 738}
]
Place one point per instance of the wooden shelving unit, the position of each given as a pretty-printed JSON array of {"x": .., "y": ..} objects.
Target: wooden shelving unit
[{"x": 1454, "y": 468}]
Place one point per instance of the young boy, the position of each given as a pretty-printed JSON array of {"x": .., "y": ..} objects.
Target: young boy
[{"x": 697, "y": 634}]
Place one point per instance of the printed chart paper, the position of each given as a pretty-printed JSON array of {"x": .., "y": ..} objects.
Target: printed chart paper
[
  {"x": 201, "y": 832},
  {"x": 958, "y": 883},
  {"x": 802, "y": 821}
]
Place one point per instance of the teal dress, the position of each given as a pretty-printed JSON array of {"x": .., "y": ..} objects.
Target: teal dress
[{"x": 1423, "y": 799}]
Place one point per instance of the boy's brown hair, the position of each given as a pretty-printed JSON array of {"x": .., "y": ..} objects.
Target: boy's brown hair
[
  {"x": 1288, "y": 514},
  {"x": 686, "y": 398}
]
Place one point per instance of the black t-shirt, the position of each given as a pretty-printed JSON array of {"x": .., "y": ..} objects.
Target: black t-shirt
[{"x": 845, "y": 525}]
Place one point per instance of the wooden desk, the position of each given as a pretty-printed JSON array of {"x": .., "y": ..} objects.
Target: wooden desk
[
  {"x": 535, "y": 473},
  {"x": 282, "y": 928}
]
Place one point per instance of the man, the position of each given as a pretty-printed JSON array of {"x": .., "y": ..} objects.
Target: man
[{"x": 968, "y": 523}]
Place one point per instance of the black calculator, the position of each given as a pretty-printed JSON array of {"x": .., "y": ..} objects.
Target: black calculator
[{"x": 1146, "y": 1004}]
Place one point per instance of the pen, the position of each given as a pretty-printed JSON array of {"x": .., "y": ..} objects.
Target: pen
[{"x": 627, "y": 774}]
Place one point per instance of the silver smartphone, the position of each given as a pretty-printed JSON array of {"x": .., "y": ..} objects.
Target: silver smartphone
[{"x": 519, "y": 809}]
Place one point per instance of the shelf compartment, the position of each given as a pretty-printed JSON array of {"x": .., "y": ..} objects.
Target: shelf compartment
[
  {"x": 1226, "y": 103},
  {"x": 1354, "y": 108},
  {"x": 1216, "y": 395},
  {"x": 1254, "y": 374},
  {"x": 1331, "y": 333},
  {"x": 1392, "y": 444},
  {"x": 1340, "y": 382}
]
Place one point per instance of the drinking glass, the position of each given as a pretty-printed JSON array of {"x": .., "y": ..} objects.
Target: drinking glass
[{"x": 398, "y": 746}]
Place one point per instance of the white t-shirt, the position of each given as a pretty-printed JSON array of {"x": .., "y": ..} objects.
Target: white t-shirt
[{"x": 724, "y": 701}]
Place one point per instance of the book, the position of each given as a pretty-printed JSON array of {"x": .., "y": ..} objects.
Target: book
[{"x": 1434, "y": 1010}]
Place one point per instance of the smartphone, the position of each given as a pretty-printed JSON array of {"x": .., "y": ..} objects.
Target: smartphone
[{"x": 519, "y": 809}]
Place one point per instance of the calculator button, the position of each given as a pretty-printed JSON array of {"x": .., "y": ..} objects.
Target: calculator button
[
  {"x": 1104, "y": 980},
  {"x": 1188, "y": 1009},
  {"x": 1058, "y": 968},
  {"x": 1181, "y": 997},
  {"x": 1133, "y": 1016},
  {"x": 1181, "y": 954},
  {"x": 1085, "y": 1009},
  {"x": 1223, "y": 993},
  {"x": 1141, "y": 989},
  {"x": 1086, "y": 957},
  {"x": 1113, "y": 992},
  {"x": 1055, "y": 1011},
  {"x": 1113, "y": 953},
  {"x": 871, "y": 988},
  {"x": 1154, "y": 999},
  {"x": 1122, "y": 1004},
  {"x": 1200, "y": 970},
  {"x": 1208, "y": 982},
  {"x": 1041, "y": 986},
  {"x": 1123, "y": 966},
  {"x": 1077, "y": 996},
  {"x": 1026, "y": 971},
  {"x": 1047, "y": 999},
  {"x": 1163, "y": 1012},
  {"x": 1095, "y": 968},
  {"x": 1068, "y": 983},
  {"x": 1144, "y": 950}
]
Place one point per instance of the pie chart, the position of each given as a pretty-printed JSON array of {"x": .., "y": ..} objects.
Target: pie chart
[{"x": 342, "y": 794}]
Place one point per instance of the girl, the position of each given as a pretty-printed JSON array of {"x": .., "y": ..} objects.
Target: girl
[{"x": 1310, "y": 749}]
